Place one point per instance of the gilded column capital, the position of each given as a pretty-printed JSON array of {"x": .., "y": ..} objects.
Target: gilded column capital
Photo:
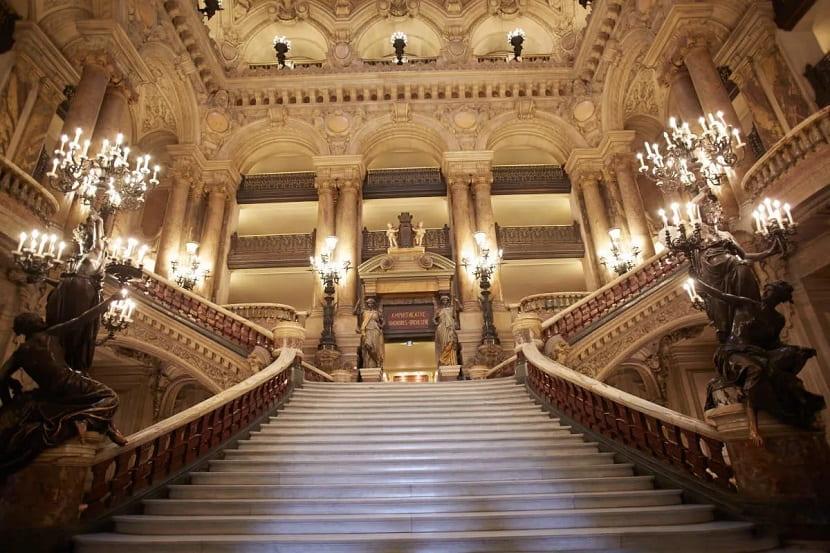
[{"x": 340, "y": 170}]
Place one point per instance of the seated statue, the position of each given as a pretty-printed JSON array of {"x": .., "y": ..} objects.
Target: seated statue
[
  {"x": 64, "y": 404},
  {"x": 754, "y": 361}
]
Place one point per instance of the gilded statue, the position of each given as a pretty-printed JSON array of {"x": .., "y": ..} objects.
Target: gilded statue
[
  {"x": 76, "y": 292},
  {"x": 64, "y": 405},
  {"x": 371, "y": 336},
  {"x": 446, "y": 336}
]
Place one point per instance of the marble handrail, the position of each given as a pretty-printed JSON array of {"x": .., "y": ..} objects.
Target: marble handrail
[
  {"x": 206, "y": 314},
  {"x": 313, "y": 374},
  {"x": 685, "y": 442},
  {"x": 160, "y": 450},
  {"x": 594, "y": 307},
  {"x": 259, "y": 313},
  {"x": 807, "y": 137},
  {"x": 551, "y": 302},
  {"x": 505, "y": 368},
  {"x": 21, "y": 186}
]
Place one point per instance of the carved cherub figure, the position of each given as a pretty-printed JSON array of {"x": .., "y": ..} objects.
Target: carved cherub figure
[
  {"x": 392, "y": 236},
  {"x": 420, "y": 233}
]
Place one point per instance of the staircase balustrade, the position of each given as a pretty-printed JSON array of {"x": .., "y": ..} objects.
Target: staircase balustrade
[
  {"x": 547, "y": 305},
  {"x": 683, "y": 442},
  {"x": 503, "y": 369},
  {"x": 598, "y": 306},
  {"x": 313, "y": 374},
  {"x": 163, "y": 449},
  {"x": 205, "y": 314}
]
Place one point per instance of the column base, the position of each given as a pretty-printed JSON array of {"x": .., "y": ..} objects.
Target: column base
[
  {"x": 447, "y": 373},
  {"x": 478, "y": 372},
  {"x": 344, "y": 375},
  {"x": 328, "y": 360}
]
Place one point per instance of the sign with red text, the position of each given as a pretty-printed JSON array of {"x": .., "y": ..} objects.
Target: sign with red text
[{"x": 409, "y": 320}]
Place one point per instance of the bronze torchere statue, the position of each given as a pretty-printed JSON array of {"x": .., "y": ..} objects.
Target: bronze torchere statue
[
  {"x": 754, "y": 361},
  {"x": 78, "y": 291},
  {"x": 65, "y": 403}
]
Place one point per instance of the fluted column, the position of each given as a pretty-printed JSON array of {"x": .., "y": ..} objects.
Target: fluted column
[
  {"x": 713, "y": 98},
  {"x": 485, "y": 222},
  {"x": 212, "y": 232},
  {"x": 462, "y": 229},
  {"x": 632, "y": 202}
]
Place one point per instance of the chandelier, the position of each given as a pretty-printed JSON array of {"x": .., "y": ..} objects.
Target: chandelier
[
  {"x": 109, "y": 175},
  {"x": 620, "y": 258},
  {"x": 691, "y": 161},
  {"x": 190, "y": 274},
  {"x": 118, "y": 316},
  {"x": 125, "y": 259}
]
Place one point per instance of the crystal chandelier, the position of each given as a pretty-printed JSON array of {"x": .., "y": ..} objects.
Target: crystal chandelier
[
  {"x": 190, "y": 274},
  {"x": 108, "y": 174},
  {"x": 620, "y": 258},
  {"x": 691, "y": 161}
]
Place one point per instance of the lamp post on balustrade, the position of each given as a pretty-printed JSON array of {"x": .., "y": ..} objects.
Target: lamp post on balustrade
[{"x": 330, "y": 273}]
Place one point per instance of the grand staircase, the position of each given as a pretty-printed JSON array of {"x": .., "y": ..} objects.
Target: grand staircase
[{"x": 451, "y": 468}]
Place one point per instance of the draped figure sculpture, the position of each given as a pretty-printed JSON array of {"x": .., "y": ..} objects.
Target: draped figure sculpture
[
  {"x": 753, "y": 365},
  {"x": 79, "y": 291},
  {"x": 446, "y": 336},
  {"x": 371, "y": 336},
  {"x": 64, "y": 404}
]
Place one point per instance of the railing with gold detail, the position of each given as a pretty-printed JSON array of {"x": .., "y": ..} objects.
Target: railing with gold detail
[
  {"x": 686, "y": 444},
  {"x": 22, "y": 188},
  {"x": 170, "y": 446},
  {"x": 205, "y": 315},
  {"x": 594, "y": 308}
]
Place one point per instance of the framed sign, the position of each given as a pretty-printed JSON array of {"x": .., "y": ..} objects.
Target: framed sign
[{"x": 412, "y": 321}]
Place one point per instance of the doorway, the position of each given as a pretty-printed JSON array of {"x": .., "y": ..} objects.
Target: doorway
[{"x": 409, "y": 360}]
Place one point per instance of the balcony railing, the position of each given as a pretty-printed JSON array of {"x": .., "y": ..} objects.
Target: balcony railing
[
  {"x": 548, "y": 305},
  {"x": 540, "y": 242},
  {"x": 266, "y": 315},
  {"x": 22, "y": 189},
  {"x": 277, "y": 187},
  {"x": 437, "y": 240},
  {"x": 270, "y": 250}
]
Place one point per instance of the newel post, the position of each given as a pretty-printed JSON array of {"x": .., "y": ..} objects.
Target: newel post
[
  {"x": 527, "y": 328},
  {"x": 41, "y": 504},
  {"x": 787, "y": 474},
  {"x": 290, "y": 334}
]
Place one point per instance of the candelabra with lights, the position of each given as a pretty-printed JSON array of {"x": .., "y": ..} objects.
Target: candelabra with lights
[
  {"x": 621, "y": 258},
  {"x": 482, "y": 267},
  {"x": 38, "y": 253},
  {"x": 282, "y": 46},
  {"x": 399, "y": 40},
  {"x": 516, "y": 39},
  {"x": 330, "y": 273},
  {"x": 191, "y": 273},
  {"x": 118, "y": 316},
  {"x": 109, "y": 177},
  {"x": 125, "y": 259}
]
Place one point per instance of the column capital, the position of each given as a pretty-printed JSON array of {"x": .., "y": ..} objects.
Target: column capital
[
  {"x": 220, "y": 176},
  {"x": 340, "y": 169},
  {"x": 468, "y": 163}
]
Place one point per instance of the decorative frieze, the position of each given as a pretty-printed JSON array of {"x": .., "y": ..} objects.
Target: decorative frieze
[
  {"x": 277, "y": 187},
  {"x": 540, "y": 242},
  {"x": 530, "y": 179},
  {"x": 270, "y": 250}
]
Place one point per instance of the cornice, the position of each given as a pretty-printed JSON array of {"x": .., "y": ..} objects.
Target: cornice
[
  {"x": 753, "y": 35},
  {"x": 33, "y": 43},
  {"x": 467, "y": 162},
  {"x": 119, "y": 45},
  {"x": 341, "y": 168},
  {"x": 672, "y": 27}
]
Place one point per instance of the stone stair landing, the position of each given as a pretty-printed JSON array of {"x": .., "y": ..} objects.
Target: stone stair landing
[{"x": 458, "y": 467}]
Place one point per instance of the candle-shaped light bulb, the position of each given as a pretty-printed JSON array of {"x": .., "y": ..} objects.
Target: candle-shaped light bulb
[
  {"x": 675, "y": 211},
  {"x": 757, "y": 217},
  {"x": 78, "y": 133},
  {"x": 662, "y": 214},
  {"x": 64, "y": 140},
  {"x": 61, "y": 247},
  {"x": 673, "y": 122},
  {"x": 86, "y": 147},
  {"x": 119, "y": 138},
  {"x": 33, "y": 241},
  {"x": 21, "y": 242},
  {"x": 788, "y": 212},
  {"x": 43, "y": 240},
  {"x": 52, "y": 239}
]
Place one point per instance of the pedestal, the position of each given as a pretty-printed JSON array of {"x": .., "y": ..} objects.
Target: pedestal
[
  {"x": 344, "y": 375},
  {"x": 447, "y": 373},
  {"x": 478, "y": 372},
  {"x": 787, "y": 476},
  {"x": 371, "y": 375},
  {"x": 42, "y": 502},
  {"x": 328, "y": 360}
]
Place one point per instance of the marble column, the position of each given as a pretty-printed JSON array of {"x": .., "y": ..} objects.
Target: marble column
[
  {"x": 632, "y": 203},
  {"x": 485, "y": 222},
  {"x": 713, "y": 98},
  {"x": 683, "y": 101},
  {"x": 222, "y": 280},
  {"x": 194, "y": 213},
  {"x": 212, "y": 232},
  {"x": 462, "y": 229},
  {"x": 82, "y": 113},
  {"x": 769, "y": 121},
  {"x": 596, "y": 210},
  {"x": 173, "y": 226},
  {"x": 590, "y": 266},
  {"x": 347, "y": 232},
  {"x": 326, "y": 212},
  {"x": 114, "y": 114}
]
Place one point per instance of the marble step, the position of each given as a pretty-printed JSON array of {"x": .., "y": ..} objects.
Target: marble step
[
  {"x": 478, "y": 418},
  {"x": 421, "y": 403},
  {"x": 265, "y": 453},
  {"x": 390, "y": 505},
  {"x": 469, "y": 411},
  {"x": 390, "y": 433},
  {"x": 381, "y": 470},
  {"x": 266, "y": 476},
  {"x": 589, "y": 484},
  {"x": 408, "y": 424},
  {"x": 350, "y": 438},
  {"x": 349, "y": 447},
  {"x": 463, "y": 395},
  {"x": 493, "y": 383},
  {"x": 709, "y": 537},
  {"x": 421, "y": 522}
]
